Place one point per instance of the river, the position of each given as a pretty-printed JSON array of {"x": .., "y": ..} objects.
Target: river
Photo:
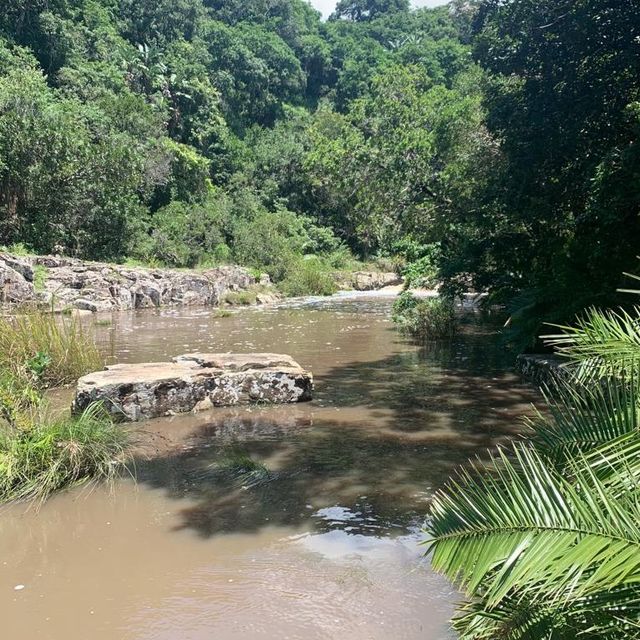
[{"x": 296, "y": 522}]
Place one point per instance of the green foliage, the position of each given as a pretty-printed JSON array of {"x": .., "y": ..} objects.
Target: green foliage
[
  {"x": 545, "y": 552},
  {"x": 384, "y": 169},
  {"x": 359, "y": 10},
  {"x": 555, "y": 218},
  {"x": 240, "y": 298},
  {"x": 46, "y": 350},
  {"x": 503, "y": 133},
  {"x": 43, "y": 454},
  {"x": 544, "y": 538},
  {"x": 421, "y": 270},
  {"x": 185, "y": 235},
  {"x": 426, "y": 318},
  {"x": 403, "y": 304},
  {"x": 170, "y": 132},
  {"x": 40, "y": 273}
]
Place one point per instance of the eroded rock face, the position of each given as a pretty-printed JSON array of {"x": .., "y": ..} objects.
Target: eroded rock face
[
  {"x": 194, "y": 382},
  {"x": 69, "y": 283}
]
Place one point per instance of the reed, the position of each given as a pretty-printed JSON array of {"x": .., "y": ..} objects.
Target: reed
[{"x": 49, "y": 350}]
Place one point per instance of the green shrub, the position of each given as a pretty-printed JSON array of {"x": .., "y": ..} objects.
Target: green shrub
[
  {"x": 40, "y": 455},
  {"x": 426, "y": 319},
  {"x": 18, "y": 249},
  {"x": 421, "y": 262},
  {"x": 240, "y": 298},
  {"x": 311, "y": 277},
  {"x": 404, "y": 303},
  {"x": 271, "y": 241},
  {"x": 45, "y": 349}
]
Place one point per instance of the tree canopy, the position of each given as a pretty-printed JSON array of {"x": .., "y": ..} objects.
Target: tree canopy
[{"x": 492, "y": 142}]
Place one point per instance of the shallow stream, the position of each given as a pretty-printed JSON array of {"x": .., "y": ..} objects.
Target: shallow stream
[{"x": 297, "y": 522}]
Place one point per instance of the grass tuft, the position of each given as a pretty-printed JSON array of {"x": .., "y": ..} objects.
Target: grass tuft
[
  {"x": 52, "y": 454},
  {"x": 40, "y": 274},
  {"x": 240, "y": 298}
]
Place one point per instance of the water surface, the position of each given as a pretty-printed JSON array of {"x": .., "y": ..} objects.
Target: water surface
[{"x": 269, "y": 522}]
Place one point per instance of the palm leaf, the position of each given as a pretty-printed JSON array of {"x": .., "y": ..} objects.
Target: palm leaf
[
  {"x": 579, "y": 417},
  {"x": 603, "y": 343},
  {"x": 520, "y": 526}
]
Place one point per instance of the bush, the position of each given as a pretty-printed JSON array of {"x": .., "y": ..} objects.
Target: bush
[
  {"x": 46, "y": 350},
  {"x": 39, "y": 456},
  {"x": 404, "y": 303},
  {"x": 186, "y": 234},
  {"x": 311, "y": 277},
  {"x": 421, "y": 261},
  {"x": 271, "y": 241},
  {"x": 240, "y": 298},
  {"x": 426, "y": 319}
]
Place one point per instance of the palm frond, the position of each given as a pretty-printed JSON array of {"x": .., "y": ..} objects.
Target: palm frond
[
  {"x": 519, "y": 526},
  {"x": 579, "y": 417},
  {"x": 602, "y": 343}
]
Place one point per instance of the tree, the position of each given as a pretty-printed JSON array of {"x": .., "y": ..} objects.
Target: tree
[
  {"x": 363, "y": 10},
  {"x": 387, "y": 169},
  {"x": 67, "y": 177},
  {"x": 559, "y": 221}
]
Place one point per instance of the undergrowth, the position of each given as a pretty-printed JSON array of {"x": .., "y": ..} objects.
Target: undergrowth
[
  {"x": 40, "y": 452},
  {"x": 40, "y": 455}
]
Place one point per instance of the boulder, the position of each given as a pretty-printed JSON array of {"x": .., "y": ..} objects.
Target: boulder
[
  {"x": 14, "y": 287},
  {"x": 194, "y": 382},
  {"x": 20, "y": 265},
  {"x": 371, "y": 280},
  {"x": 542, "y": 369}
]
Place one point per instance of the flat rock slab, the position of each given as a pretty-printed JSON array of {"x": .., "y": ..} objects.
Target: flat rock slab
[{"x": 194, "y": 382}]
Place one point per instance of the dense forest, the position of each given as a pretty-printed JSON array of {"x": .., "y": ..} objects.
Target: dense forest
[{"x": 489, "y": 145}]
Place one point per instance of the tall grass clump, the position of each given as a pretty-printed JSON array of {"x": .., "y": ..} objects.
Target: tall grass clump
[
  {"x": 40, "y": 452},
  {"x": 425, "y": 319},
  {"x": 51, "y": 349},
  {"x": 41, "y": 455}
]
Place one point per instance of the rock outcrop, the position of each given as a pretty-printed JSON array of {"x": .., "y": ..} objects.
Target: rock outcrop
[
  {"x": 194, "y": 382},
  {"x": 367, "y": 280},
  {"x": 542, "y": 369},
  {"x": 16, "y": 287},
  {"x": 68, "y": 283}
]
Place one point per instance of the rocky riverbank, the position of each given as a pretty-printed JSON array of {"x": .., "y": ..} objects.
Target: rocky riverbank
[
  {"x": 65, "y": 284},
  {"x": 68, "y": 284},
  {"x": 366, "y": 280}
]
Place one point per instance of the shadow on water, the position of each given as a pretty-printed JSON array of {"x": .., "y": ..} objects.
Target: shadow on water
[{"x": 364, "y": 457}]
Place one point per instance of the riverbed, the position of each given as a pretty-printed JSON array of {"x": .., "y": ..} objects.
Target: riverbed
[{"x": 296, "y": 522}]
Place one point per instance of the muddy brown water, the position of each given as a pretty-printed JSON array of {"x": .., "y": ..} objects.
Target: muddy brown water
[{"x": 298, "y": 522}]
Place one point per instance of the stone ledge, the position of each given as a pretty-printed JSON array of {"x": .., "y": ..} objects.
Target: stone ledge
[
  {"x": 542, "y": 369},
  {"x": 194, "y": 382}
]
